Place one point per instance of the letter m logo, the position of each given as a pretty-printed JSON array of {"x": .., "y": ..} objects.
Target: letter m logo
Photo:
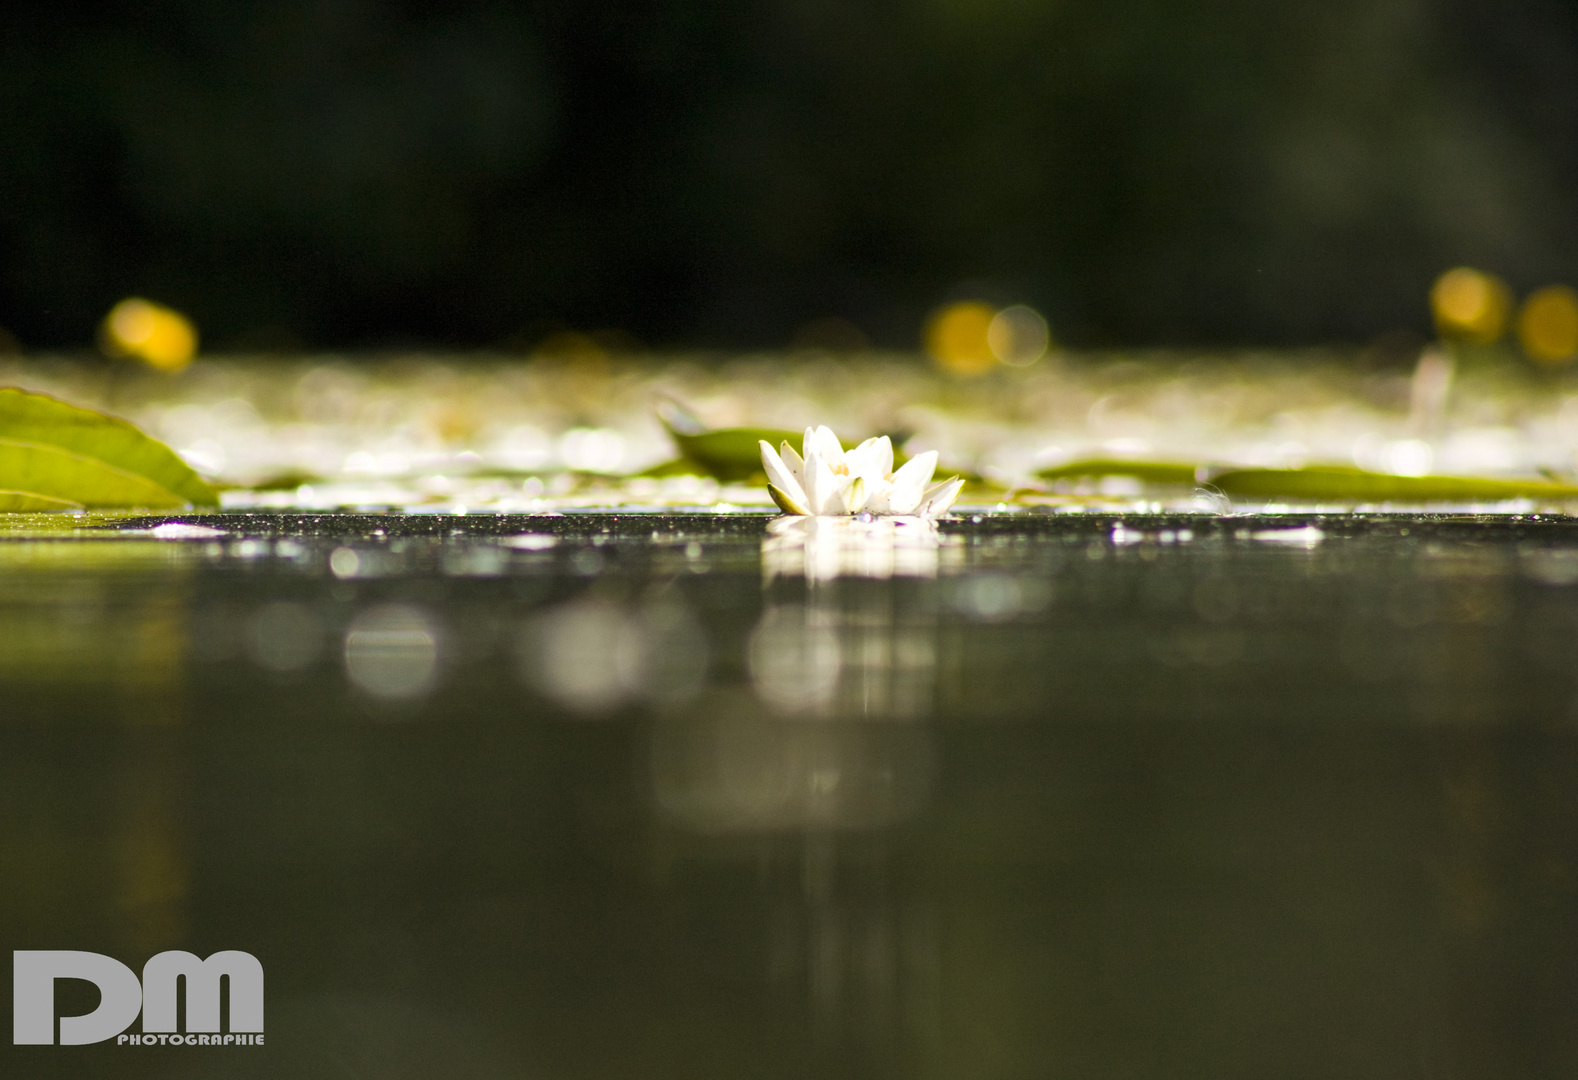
[{"x": 159, "y": 985}]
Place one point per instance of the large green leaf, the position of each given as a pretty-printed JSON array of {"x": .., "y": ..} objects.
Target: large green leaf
[
  {"x": 51, "y": 473},
  {"x": 53, "y": 451},
  {"x": 23, "y": 502}
]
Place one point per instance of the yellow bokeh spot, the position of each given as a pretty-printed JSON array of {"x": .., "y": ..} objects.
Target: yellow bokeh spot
[
  {"x": 150, "y": 332},
  {"x": 1470, "y": 304},
  {"x": 959, "y": 338},
  {"x": 1548, "y": 325}
]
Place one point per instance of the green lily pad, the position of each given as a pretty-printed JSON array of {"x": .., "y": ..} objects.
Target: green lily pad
[
  {"x": 734, "y": 454},
  {"x": 1339, "y": 483},
  {"x": 730, "y": 454},
  {"x": 58, "y": 456},
  {"x": 286, "y": 480},
  {"x": 1349, "y": 484},
  {"x": 1148, "y": 472},
  {"x": 673, "y": 467}
]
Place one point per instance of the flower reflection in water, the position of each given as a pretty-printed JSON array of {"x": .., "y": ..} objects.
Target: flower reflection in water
[
  {"x": 817, "y": 763},
  {"x": 823, "y": 548},
  {"x": 864, "y": 646},
  {"x": 814, "y": 804},
  {"x": 860, "y": 660},
  {"x": 733, "y": 767}
]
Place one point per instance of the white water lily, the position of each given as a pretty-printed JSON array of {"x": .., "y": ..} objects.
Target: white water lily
[{"x": 826, "y": 481}]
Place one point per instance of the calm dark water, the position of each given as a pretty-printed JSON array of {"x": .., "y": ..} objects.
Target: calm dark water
[{"x": 627, "y": 796}]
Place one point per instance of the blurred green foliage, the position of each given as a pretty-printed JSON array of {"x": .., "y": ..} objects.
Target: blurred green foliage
[{"x": 479, "y": 172}]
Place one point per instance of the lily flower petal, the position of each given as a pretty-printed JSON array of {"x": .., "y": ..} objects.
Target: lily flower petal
[
  {"x": 855, "y": 495},
  {"x": 827, "y": 445},
  {"x": 821, "y": 486},
  {"x": 810, "y": 475},
  {"x": 792, "y": 460},
  {"x": 940, "y": 498},
  {"x": 884, "y": 452},
  {"x": 909, "y": 483},
  {"x": 794, "y": 463},
  {"x": 785, "y": 502},
  {"x": 780, "y": 477},
  {"x": 872, "y": 459},
  {"x": 877, "y": 499},
  {"x": 856, "y": 459}
]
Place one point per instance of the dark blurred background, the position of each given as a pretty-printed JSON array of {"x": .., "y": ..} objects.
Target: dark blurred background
[{"x": 723, "y": 172}]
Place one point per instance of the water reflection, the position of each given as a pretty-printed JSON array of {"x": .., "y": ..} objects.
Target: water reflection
[
  {"x": 796, "y": 658},
  {"x": 841, "y": 637},
  {"x": 994, "y": 597},
  {"x": 594, "y": 655},
  {"x": 1243, "y": 798},
  {"x": 809, "y": 761},
  {"x": 81, "y": 614},
  {"x": 848, "y": 949},
  {"x": 285, "y": 637},
  {"x": 391, "y": 652},
  {"x": 849, "y": 655},
  {"x": 150, "y": 856},
  {"x": 823, "y": 548},
  {"x": 729, "y": 765}
]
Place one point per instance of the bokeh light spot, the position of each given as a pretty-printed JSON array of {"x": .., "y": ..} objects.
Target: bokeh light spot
[
  {"x": 143, "y": 330},
  {"x": 597, "y": 450},
  {"x": 285, "y": 637},
  {"x": 345, "y": 563},
  {"x": 1548, "y": 325},
  {"x": 1410, "y": 457},
  {"x": 958, "y": 338},
  {"x": 1018, "y": 336},
  {"x": 392, "y": 652},
  {"x": 583, "y": 655},
  {"x": 1470, "y": 304},
  {"x": 795, "y": 659},
  {"x": 595, "y": 655}
]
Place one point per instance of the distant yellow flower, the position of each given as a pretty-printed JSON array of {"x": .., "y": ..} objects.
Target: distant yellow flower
[
  {"x": 959, "y": 338},
  {"x": 825, "y": 481},
  {"x": 1548, "y": 325},
  {"x": 150, "y": 332},
  {"x": 1470, "y": 304}
]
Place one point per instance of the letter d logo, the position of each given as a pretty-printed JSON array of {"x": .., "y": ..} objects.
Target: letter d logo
[{"x": 33, "y": 975}]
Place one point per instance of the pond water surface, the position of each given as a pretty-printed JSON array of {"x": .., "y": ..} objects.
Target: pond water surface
[{"x": 668, "y": 795}]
